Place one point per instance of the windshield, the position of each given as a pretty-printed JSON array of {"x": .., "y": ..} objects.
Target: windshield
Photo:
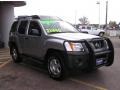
[{"x": 57, "y": 27}]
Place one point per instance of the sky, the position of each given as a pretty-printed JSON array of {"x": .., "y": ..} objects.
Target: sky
[{"x": 72, "y": 10}]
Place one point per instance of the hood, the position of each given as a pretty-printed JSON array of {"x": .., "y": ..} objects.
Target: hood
[{"x": 73, "y": 36}]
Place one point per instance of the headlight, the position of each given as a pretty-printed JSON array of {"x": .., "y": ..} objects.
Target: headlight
[{"x": 71, "y": 46}]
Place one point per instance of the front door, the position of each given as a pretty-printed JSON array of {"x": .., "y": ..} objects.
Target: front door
[{"x": 34, "y": 40}]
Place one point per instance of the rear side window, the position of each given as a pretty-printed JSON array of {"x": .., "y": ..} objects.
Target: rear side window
[
  {"x": 83, "y": 27},
  {"x": 14, "y": 26},
  {"x": 89, "y": 28},
  {"x": 22, "y": 27}
]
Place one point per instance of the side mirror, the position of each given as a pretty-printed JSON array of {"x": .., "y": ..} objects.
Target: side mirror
[{"x": 35, "y": 32}]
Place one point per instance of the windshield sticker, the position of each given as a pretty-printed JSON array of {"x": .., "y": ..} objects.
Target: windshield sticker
[
  {"x": 48, "y": 22},
  {"x": 53, "y": 30}
]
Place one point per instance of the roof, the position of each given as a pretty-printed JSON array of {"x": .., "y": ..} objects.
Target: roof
[{"x": 14, "y": 3}]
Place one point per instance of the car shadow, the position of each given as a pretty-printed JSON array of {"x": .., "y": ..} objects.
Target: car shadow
[{"x": 96, "y": 75}]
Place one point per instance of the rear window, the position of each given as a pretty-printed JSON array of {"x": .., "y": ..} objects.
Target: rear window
[{"x": 14, "y": 26}]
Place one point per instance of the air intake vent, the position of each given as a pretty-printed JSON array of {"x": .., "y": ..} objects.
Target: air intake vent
[{"x": 98, "y": 44}]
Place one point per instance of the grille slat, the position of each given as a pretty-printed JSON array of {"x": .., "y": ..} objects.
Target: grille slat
[{"x": 98, "y": 44}]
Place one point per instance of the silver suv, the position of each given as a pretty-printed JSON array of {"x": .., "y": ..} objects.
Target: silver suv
[{"x": 58, "y": 45}]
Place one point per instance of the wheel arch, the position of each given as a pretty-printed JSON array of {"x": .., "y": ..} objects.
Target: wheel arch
[
  {"x": 101, "y": 32},
  {"x": 50, "y": 50}
]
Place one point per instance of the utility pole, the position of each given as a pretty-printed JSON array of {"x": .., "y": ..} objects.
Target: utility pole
[
  {"x": 98, "y": 2},
  {"x": 106, "y": 14},
  {"x": 75, "y": 16}
]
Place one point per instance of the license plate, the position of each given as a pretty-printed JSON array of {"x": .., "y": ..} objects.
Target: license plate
[{"x": 99, "y": 61}]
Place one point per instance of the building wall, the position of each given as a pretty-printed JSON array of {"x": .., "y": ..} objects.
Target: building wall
[{"x": 6, "y": 20}]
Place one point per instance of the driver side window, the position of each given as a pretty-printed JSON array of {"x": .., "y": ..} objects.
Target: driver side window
[{"x": 34, "y": 29}]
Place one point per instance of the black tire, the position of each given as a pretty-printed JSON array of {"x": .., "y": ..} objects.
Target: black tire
[
  {"x": 56, "y": 66},
  {"x": 85, "y": 32},
  {"x": 15, "y": 54},
  {"x": 101, "y": 34}
]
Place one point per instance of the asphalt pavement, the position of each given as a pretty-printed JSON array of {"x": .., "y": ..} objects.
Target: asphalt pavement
[{"x": 31, "y": 76}]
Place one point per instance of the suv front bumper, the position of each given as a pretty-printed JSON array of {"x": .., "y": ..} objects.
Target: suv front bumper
[{"x": 91, "y": 58}]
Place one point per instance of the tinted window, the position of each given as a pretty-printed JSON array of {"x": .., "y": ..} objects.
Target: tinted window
[
  {"x": 34, "y": 28},
  {"x": 14, "y": 26},
  {"x": 83, "y": 27},
  {"x": 22, "y": 27},
  {"x": 89, "y": 28}
]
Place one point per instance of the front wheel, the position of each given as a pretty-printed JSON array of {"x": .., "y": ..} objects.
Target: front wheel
[{"x": 56, "y": 67}]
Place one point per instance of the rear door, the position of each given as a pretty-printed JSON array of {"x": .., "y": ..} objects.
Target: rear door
[{"x": 23, "y": 26}]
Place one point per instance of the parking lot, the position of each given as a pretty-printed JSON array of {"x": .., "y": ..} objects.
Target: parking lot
[{"x": 31, "y": 76}]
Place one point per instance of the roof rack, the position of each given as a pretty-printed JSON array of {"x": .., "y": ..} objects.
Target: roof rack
[
  {"x": 35, "y": 17},
  {"x": 28, "y": 17},
  {"x": 42, "y": 18}
]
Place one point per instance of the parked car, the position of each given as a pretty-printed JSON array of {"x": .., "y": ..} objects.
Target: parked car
[
  {"x": 58, "y": 45},
  {"x": 91, "y": 30}
]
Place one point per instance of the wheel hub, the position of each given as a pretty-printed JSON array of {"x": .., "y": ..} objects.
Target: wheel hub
[
  {"x": 14, "y": 54},
  {"x": 55, "y": 66}
]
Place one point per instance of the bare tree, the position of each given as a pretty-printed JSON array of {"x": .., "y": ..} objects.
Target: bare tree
[
  {"x": 112, "y": 24},
  {"x": 84, "y": 20}
]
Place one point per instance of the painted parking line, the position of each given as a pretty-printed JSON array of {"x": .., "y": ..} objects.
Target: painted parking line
[
  {"x": 88, "y": 84},
  {"x": 5, "y": 63},
  {"x": 3, "y": 59}
]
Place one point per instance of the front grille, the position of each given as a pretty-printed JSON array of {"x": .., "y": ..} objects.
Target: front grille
[{"x": 98, "y": 44}]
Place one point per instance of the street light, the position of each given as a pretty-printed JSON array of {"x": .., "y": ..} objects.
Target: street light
[{"x": 98, "y": 2}]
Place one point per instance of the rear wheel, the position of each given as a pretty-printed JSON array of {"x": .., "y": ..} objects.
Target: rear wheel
[
  {"x": 56, "y": 67},
  {"x": 15, "y": 55}
]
